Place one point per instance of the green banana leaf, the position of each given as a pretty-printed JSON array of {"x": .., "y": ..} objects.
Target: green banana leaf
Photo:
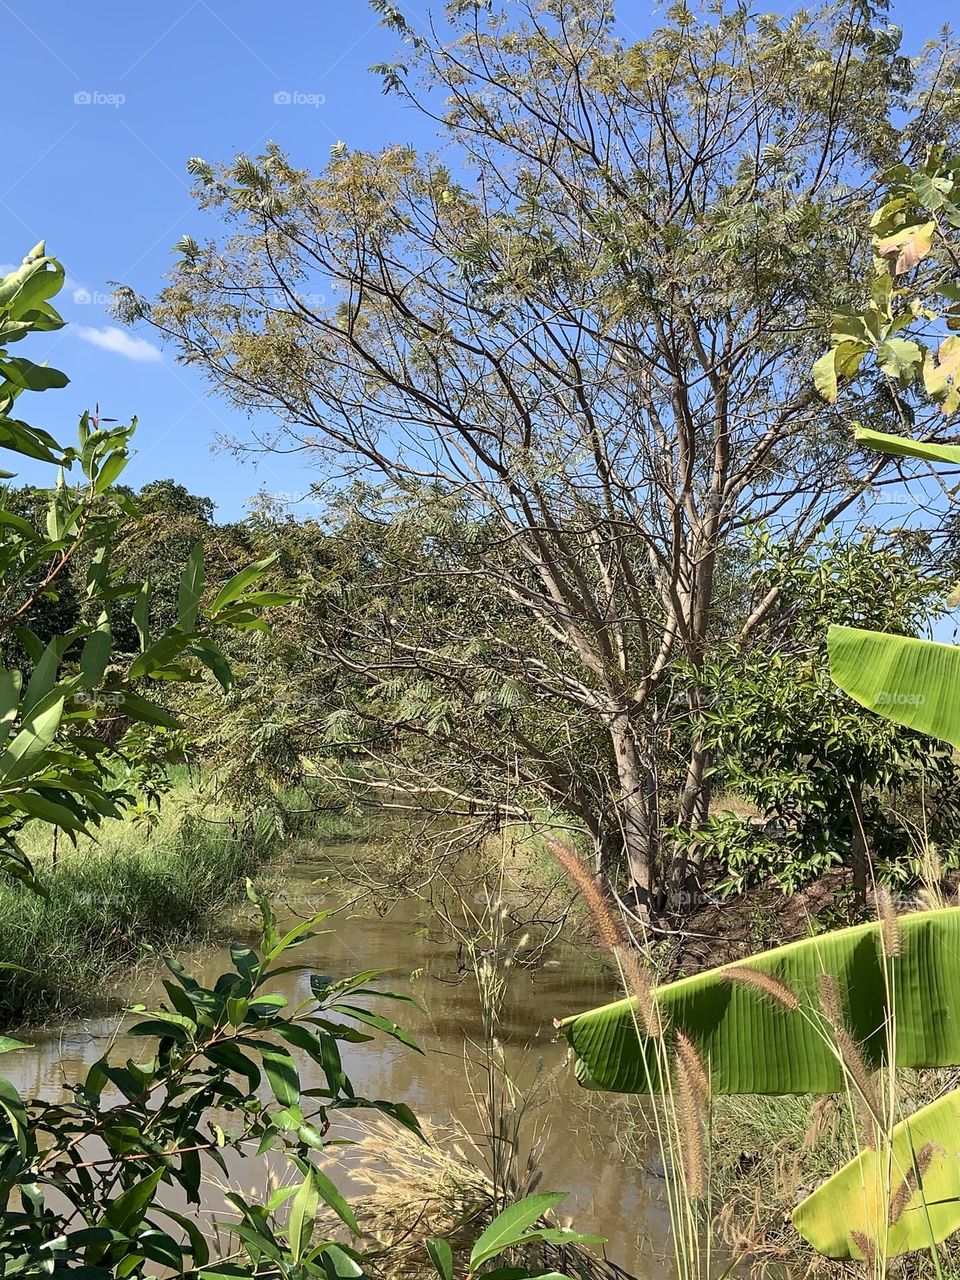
[
  {"x": 904, "y": 447},
  {"x": 912, "y": 682},
  {"x": 752, "y": 1044},
  {"x": 856, "y": 1201}
]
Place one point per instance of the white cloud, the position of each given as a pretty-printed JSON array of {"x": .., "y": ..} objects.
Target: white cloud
[{"x": 121, "y": 343}]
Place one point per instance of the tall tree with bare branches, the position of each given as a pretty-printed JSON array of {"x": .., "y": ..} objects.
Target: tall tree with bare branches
[{"x": 588, "y": 323}]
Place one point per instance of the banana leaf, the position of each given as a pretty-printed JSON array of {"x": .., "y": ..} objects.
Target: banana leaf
[
  {"x": 857, "y": 1200},
  {"x": 883, "y": 442},
  {"x": 752, "y": 1044},
  {"x": 912, "y": 682}
]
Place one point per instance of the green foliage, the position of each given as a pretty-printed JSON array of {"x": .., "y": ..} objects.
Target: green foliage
[
  {"x": 754, "y": 1042},
  {"x": 782, "y": 736},
  {"x": 855, "y": 1204},
  {"x": 54, "y": 765},
  {"x": 112, "y": 903},
  {"x": 513, "y": 1228},
  {"x": 84, "y": 1178},
  {"x": 914, "y": 290},
  {"x": 578, "y": 378}
]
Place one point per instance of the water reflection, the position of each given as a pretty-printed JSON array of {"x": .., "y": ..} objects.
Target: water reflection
[{"x": 582, "y": 1154}]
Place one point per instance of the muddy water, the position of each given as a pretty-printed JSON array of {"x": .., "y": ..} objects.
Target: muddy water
[{"x": 609, "y": 1194}]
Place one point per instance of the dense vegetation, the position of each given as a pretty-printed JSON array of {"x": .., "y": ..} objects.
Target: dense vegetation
[{"x": 599, "y": 557}]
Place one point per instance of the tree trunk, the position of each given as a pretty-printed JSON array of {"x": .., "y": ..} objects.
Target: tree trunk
[
  {"x": 859, "y": 846},
  {"x": 638, "y": 830}
]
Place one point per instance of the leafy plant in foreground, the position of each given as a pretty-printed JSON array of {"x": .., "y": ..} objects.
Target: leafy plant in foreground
[
  {"x": 58, "y": 694},
  {"x": 85, "y": 1182}
]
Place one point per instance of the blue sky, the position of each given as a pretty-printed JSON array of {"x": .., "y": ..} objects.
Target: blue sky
[{"x": 106, "y": 102}]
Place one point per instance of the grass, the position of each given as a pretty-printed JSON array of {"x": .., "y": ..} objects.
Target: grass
[
  {"x": 111, "y": 900},
  {"x": 768, "y": 1152}
]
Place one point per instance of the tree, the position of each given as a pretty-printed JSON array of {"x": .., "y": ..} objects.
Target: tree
[
  {"x": 838, "y": 787},
  {"x": 589, "y": 327},
  {"x": 57, "y": 766}
]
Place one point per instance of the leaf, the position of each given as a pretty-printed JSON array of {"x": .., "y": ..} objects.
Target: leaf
[
  {"x": 141, "y": 709},
  {"x": 338, "y": 1264},
  {"x": 111, "y": 470},
  {"x": 905, "y": 447},
  {"x": 303, "y": 1215},
  {"x": 12, "y": 1104},
  {"x": 96, "y": 654},
  {"x": 30, "y": 743},
  {"x": 9, "y": 702},
  {"x": 441, "y": 1255},
  {"x": 192, "y": 583},
  {"x": 282, "y": 1074},
  {"x": 330, "y": 1195},
  {"x": 377, "y": 1020},
  {"x": 911, "y": 682},
  {"x": 899, "y": 358},
  {"x": 857, "y": 1199},
  {"x": 127, "y": 1211},
  {"x": 141, "y": 616},
  {"x": 755, "y": 1045},
  {"x": 50, "y": 811},
  {"x": 825, "y": 376},
  {"x": 235, "y": 587},
  {"x": 214, "y": 659},
  {"x": 508, "y": 1226}
]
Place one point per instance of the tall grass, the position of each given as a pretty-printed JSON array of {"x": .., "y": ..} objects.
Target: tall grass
[{"x": 111, "y": 900}]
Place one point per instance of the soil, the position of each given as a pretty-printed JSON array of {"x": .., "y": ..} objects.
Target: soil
[{"x": 722, "y": 930}]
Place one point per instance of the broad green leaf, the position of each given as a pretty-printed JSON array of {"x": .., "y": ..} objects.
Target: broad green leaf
[
  {"x": 126, "y": 1212},
  {"x": 899, "y": 358},
  {"x": 148, "y": 712},
  {"x": 9, "y": 702},
  {"x": 141, "y": 616},
  {"x": 50, "y": 811},
  {"x": 377, "y": 1020},
  {"x": 215, "y": 660},
  {"x": 111, "y": 470},
  {"x": 44, "y": 674},
  {"x": 510, "y": 1225},
  {"x": 912, "y": 682},
  {"x": 884, "y": 442},
  {"x": 331, "y": 1195},
  {"x": 12, "y": 1104},
  {"x": 338, "y": 1264},
  {"x": 857, "y": 1200},
  {"x": 33, "y": 377},
  {"x": 752, "y": 1044}
]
